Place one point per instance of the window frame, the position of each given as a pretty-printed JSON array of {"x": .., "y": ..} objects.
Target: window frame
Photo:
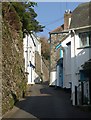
[{"x": 88, "y": 39}]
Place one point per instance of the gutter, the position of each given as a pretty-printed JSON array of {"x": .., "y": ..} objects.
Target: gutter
[
  {"x": 58, "y": 32},
  {"x": 67, "y": 31},
  {"x": 35, "y": 36},
  {"x": 78, "y": 28},
  {"x": 50, "y": 58}
]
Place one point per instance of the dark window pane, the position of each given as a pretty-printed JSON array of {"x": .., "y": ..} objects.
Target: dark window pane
[
  {"x": 90, "y": 38},
  {"x": 83, "y": 39}
]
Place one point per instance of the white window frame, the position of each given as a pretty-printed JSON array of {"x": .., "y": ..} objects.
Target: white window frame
[{"x": 87, "y": 38}]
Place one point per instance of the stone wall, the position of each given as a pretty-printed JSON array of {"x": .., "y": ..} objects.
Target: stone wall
[
  {"x": 54, "y": 54},
  {"x": 13, "y": 78},
  {"x": 45, "y": 69},
  {"x": 41, "y": 67},
  {"x": 38, "y": 64}
]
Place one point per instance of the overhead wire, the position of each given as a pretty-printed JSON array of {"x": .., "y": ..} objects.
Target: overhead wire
[
  {"x": 47, "y": 29},
  {"x": 55, "y": 21}
]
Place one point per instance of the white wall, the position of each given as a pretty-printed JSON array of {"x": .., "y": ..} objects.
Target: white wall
[
  {"x": 38, "y": 46},
  {"x": 72, "y": 62},
  {"x": 78, "y": 58},
  {"x": 29, "y": 55},
  {"x": 53, "y": 78},
  {"x": 66, "y": 63}
]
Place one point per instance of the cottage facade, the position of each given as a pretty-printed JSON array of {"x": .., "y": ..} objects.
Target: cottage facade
[
  {"x": 31, "y": 46},
  {"x": 76, "y": 44}
]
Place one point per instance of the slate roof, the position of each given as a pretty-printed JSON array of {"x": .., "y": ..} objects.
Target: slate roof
[
  {"x": 81, "y": 16},
  {"x": 58, "y": 29}
]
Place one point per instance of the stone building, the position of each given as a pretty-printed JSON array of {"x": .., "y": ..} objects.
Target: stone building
[{"x": 55, "y": 36}]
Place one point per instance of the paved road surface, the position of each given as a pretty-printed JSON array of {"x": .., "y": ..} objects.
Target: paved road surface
[{"x": 46, "y": 102}]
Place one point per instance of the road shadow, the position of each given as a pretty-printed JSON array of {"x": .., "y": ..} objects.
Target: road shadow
[
  {"x": 45, "y": 83},
  {"x": 50, "y": 103}
]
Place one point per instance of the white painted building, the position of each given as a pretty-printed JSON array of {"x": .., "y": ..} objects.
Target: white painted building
[
  {"x": 66, "y": 63},
  {"x": 31, "y": 44},
  {"x": 80, "y": 53},
  {"x": 77, "y": 52}
]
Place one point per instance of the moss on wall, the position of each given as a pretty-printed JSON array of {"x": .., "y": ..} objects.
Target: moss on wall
[{"x": 14, "y": 81}]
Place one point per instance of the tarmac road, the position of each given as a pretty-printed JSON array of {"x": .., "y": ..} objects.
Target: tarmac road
[{"x": 46, "y": 102}]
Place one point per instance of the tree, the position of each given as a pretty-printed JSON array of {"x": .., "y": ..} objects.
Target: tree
[
  {"x": 27, "y": 17},
  {"x": 45, "y": 48}
]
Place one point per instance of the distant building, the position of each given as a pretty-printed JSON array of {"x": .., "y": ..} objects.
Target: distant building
[
  {"x": 31, "y": 46},
  {"x": 56, "y": 54}
]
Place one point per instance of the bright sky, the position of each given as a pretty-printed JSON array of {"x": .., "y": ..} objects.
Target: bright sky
[{"x": 50, "y": 14}]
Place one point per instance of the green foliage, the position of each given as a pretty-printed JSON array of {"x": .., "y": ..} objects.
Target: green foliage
[
  {"x": 27, "y": 16},
  {"x": 11, "y": 102}
]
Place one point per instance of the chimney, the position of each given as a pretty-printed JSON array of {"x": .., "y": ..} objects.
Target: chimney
[{"x": 67, "y": 19}]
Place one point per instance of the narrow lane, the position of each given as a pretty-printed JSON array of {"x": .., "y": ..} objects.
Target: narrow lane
[{"x": 46, "y": 102}]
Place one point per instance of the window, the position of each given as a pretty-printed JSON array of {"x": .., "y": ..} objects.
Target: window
[{"x": 85, "y": 39}]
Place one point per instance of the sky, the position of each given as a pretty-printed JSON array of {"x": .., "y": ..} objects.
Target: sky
[{"x": 51, "y": 14}]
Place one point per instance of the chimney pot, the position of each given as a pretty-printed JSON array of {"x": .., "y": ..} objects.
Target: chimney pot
[{"x": 67, "y": 19}]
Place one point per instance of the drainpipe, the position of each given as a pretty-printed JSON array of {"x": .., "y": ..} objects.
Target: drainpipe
[
  {"x": 27, "y": 55},
  {"x": 50, "y": 57},
  {"x": 74, "y": 41},
  {"x": 56, "y": 69},
  {"x": 75, "y": 96}
]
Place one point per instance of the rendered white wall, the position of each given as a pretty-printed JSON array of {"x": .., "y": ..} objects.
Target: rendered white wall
[
  {"x": 66, "y": 63},
  {"x": 78, "y": 58},
  {"x": 53, "y": 78},
  {"x": 29, "y": 55}
]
